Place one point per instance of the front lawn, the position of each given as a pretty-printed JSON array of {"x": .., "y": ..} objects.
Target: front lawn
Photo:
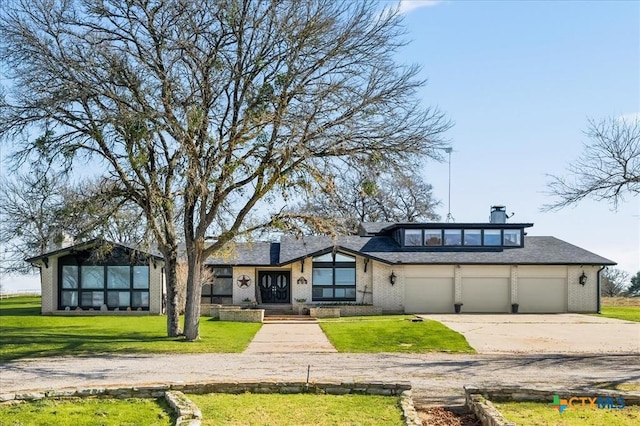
[
  {"x": 25, "y": 333},
  {"x": 628, "y": 313},
  {"x": 393, "y": 333},
  {"x": 88, "y": 411},
  {"x": 536, "y": 413},
  {"x": 298, "y": 409}
]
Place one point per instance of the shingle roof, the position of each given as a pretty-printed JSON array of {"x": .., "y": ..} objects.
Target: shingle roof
[
  {"x": 258, "y": 253},
  {"x": 373, "y": 228},
  {"x": 536, "y": 251},
  {"x": 87, "y": 245}
]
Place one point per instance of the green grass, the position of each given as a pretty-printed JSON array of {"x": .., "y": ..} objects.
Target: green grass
[
  {"x": 298, "y": 409},
  {"x": 629, "y": 313},
  {"x": 25, "y": 333},
  {"x": 87, "y": 411},
  {"x": 625, "y": 386},
  {"x": 535, "y": 413},
  {"x": 394, "y": 333}
]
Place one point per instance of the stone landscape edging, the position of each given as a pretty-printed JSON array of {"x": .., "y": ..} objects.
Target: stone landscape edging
[
  {"x": 189, "y": 414},
  {"x": 478, "y": 400}
]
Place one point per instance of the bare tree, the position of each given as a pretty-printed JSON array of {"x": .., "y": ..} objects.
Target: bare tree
[
  {"x": 608, "y": 169},
  {"x": 28, "y": 225},
  {"x": 395, "y": 194},
  {"x": 41, "y": 211},
  {"x": 614, "y": 282},
  {"x": 217, "y": 110}
]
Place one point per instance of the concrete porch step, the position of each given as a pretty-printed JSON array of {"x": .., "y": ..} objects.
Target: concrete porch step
[{"x": 289, "y": 319}]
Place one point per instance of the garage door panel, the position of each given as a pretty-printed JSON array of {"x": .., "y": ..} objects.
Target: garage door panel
[
  {"x": 542, "y": 295},
  {"x": 428, "y": 295},
  {"x": 486, "y": 295}
]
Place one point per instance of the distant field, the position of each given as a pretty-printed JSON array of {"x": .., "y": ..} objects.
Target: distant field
[
  {"x": 624, "y": 308},
  {"x": 621, "y": 301}
]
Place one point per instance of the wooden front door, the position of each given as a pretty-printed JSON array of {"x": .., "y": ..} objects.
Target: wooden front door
[{"x": 275, "y": 286}]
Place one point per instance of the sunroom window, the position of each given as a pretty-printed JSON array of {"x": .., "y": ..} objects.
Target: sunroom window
[
  {"x": 334, "y": 277},
  {"x": 90, "y": 285}
]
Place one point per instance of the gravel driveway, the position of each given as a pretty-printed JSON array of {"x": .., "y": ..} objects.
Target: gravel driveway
[
  {"x": 545, "y": 334},
  {"x": 436, "y": 378}
]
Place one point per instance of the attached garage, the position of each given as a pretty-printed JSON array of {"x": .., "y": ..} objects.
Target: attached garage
[
  {"x": 542, "y": 289},
  {"x": 486, "y": 295},
  {"x": 429, "y": 295}
]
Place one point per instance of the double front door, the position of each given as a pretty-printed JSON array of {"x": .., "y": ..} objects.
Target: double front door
[{"x": 275, "y": 286}]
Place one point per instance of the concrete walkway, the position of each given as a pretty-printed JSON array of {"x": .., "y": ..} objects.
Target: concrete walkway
[{"x": 290, "y": 337}]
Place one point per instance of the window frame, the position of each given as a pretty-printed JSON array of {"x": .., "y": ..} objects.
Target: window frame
[
  {"x": 417, "y": 234},
  {"x": 520, "y": 237},
  {"x": 209, "y": 297},
  {"x": 334, "y": 266}
]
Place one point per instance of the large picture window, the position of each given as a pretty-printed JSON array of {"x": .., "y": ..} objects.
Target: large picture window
[
  {"x": 334, "y": 277},
  {"x": 118, "y": 281}
]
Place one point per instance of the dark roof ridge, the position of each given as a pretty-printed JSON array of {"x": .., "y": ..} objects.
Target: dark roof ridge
[{"x": 85, "y": 245}]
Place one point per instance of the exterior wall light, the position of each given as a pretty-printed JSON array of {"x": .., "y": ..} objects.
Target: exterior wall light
[
  {"x": 582, "y": 279},
  {"x": 302, "y": 280},
  {"x": 392, "y": 278}
]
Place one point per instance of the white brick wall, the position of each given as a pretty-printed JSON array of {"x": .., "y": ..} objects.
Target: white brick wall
[
  {"x": 364, "y": 284},
  {"x": 389, "y": 298},
  {"x": 49, "y": 286},
  {"x": 156, "y": 286},
  {"x": 457, "y": 284},
  {"x": 582, "y": 298},
  {"x": 514, "y": 284},
  {"x": 301, "y": 291},
  {"x": 239, "y": 294}
]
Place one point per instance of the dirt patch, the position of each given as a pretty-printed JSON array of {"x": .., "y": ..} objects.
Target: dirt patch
[{"x": 447, "y": 416}]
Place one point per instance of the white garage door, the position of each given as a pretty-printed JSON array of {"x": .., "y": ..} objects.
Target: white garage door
[
  {"x": 543, "y": 295},
  {"x": 428, "y": 295},
  {"x": 486, "y": 295}
]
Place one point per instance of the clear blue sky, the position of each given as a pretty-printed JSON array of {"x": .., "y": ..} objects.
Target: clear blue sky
[{"x": 520, "y": 79}]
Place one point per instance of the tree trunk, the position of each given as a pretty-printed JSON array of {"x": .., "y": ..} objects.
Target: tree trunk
[
  {"x": 194, "y": 291},
  {"x": 173, "y": 313}
]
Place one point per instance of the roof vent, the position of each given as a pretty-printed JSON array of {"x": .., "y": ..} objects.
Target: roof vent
[{"x": 499, "y": 214}]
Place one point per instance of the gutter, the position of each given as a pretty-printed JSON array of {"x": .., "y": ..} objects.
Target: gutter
[{"x": 598, "y": 289}]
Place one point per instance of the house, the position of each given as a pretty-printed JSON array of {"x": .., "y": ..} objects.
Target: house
[
  {"x": 415, "y": 268},
  {"x": 398, "y": 267},
  {"x": 99, "y": 276}
]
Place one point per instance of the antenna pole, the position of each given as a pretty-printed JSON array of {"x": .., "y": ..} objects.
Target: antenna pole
[{"x": 449, "y": 215}]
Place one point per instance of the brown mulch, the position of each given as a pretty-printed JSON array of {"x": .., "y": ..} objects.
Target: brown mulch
[{"x": 447, "y": 416}]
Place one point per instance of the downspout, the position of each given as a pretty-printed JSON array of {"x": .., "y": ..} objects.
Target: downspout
[{"x": 598, "y": 288}]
